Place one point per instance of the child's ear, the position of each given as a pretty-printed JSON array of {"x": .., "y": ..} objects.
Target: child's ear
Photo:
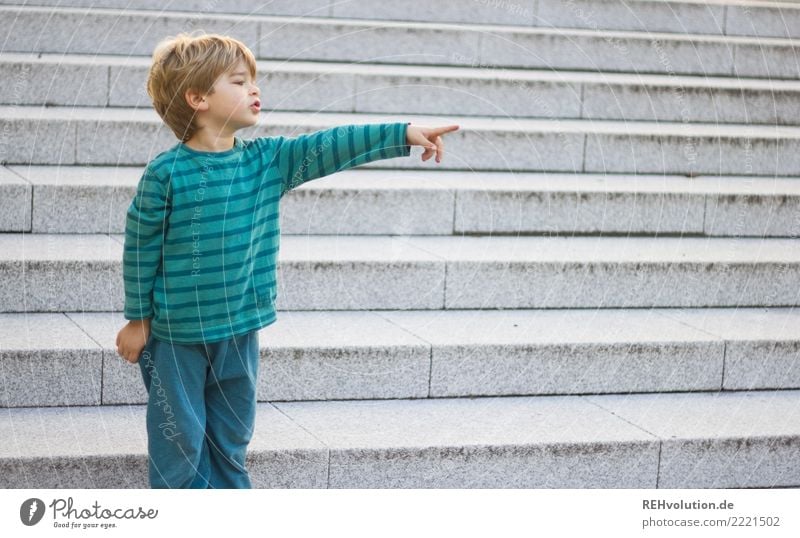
[{"x": 194, "y": 99}]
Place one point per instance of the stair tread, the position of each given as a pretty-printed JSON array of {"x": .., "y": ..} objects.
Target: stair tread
[
  {"x": 435, "y": 72},
  {"x": 451, "y": 180},
  {"x": 14, "y": 246},
  {"x": 366, "y": 248},
  {"x": 414, "y": 424},
  {"x": 471, "y": 123},
  {"x": 325, "y": 329},
  {"x": 414, "y": 25}
]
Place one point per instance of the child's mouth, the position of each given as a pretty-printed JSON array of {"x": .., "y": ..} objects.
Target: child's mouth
[{"x": 256, "y": 105}]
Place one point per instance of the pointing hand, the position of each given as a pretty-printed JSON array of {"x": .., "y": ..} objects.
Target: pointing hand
[{"x": 430, "y": 138}]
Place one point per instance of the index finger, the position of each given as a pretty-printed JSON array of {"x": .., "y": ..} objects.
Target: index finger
[{"x": 442, "y": 130}]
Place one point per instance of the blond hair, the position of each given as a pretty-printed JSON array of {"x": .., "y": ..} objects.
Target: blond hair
[{"x": 185, "y": 62}]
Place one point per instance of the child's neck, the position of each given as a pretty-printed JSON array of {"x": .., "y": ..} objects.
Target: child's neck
[{"x": 216, "y": 143}]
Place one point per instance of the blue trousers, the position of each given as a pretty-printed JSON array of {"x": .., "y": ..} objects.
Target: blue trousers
[{"x": 201, "y": 411}]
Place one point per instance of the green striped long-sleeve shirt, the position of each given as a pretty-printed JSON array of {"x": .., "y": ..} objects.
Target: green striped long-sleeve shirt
[{"x": 202, "y": 232}]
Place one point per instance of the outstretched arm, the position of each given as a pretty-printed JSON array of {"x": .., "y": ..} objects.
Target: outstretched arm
[{"x": 314, "y": 155}]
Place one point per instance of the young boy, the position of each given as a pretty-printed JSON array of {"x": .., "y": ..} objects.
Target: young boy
[{"x": 201, "y": 249}]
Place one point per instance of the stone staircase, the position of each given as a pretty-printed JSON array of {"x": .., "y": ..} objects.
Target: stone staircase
[{"x": 594, "y": 289}]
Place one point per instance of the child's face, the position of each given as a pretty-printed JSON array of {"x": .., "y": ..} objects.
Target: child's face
[{"x": 231, "y": 106}]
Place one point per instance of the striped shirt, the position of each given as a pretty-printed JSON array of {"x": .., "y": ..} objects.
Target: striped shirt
[{"x": 202, "y": 232}]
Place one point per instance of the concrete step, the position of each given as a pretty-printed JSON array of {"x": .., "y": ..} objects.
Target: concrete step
[
  {"x": 129, "y": 136},
  {"x": 731, "y": 17},
  {"x": 116, "y": 81},
  {"x": 82, "y": 272},
  {"x": 70, "y": 358},
  {"x": 136, "y": 32},
  {"x": 94, "y": 199},
  {"x": 669, "y": 440}
]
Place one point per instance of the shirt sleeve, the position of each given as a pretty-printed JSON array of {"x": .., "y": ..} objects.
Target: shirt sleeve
[
  {"x": 145, "y": 227},
  {"x": 314, "y": 155}
]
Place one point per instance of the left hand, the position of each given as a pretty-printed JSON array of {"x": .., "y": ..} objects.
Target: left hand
[{"x": 430, "y": 138}]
